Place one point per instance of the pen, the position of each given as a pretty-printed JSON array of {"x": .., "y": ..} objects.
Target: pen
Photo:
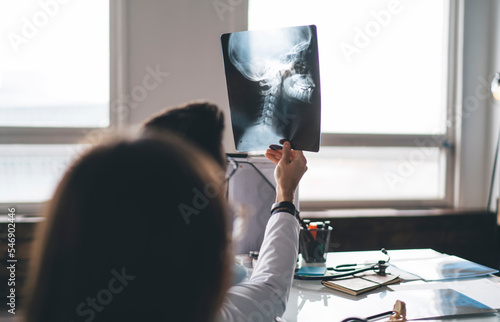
[{"x": 314, "y": 227}]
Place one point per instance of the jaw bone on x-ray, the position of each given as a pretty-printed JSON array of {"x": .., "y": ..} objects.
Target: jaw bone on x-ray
[{"x": 273, "y": 87}]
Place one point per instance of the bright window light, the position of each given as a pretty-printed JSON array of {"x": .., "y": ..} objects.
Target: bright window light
[
  {"x": 382, "y": 62},
  {"x": 31, "y": 172},
  {"x": 375, "y": 173},
  {"x": 383, "y": 70},
  {"x": 54, "y": 63}
]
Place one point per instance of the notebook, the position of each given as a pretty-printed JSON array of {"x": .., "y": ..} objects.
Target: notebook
[{"x": 359, "y": 284}]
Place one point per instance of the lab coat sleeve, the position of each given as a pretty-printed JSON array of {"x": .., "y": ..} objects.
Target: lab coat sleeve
[{"x": 264, "y": 296}]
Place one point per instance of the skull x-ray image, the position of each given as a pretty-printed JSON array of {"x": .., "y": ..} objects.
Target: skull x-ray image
[{"x": 273, "y": 87}]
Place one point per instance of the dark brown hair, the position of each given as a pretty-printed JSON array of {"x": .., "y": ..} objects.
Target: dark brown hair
[
  {"x": 202, "y": 123},
  {"x": 139, "y": 228}
]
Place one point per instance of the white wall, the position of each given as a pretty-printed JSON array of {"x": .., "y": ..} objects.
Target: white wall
[
  {"x": 479, "y": 125},
  {"x": 494, "y": 109},
  {"x": 183, "y": 38}
]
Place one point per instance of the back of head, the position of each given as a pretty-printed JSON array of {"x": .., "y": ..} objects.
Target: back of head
[
  {"x": 202, "y": 123},
  {"x": 135, "y": 232}
]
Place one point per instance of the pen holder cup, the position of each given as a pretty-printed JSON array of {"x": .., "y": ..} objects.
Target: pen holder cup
[{"x": 313, "y": 244}]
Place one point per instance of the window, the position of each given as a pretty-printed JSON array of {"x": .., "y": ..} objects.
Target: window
[
  {"x": 54, "y": 91},
  {"x": 387, "y": 123}
]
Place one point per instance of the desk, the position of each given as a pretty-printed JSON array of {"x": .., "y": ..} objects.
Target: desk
[{"x": 310, "y": 301}]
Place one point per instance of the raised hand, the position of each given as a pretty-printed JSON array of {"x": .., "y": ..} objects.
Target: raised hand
[{"x": 290, "y": 167}]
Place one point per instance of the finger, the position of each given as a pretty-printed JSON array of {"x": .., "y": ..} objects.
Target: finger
[
  {"x": 276, "y": 153},
  {"x": 299, "y": 157},
  {"x": 286, "y": 151},
  {"x": 297, "y": 154},
  {"x": 271, "y": 157}
]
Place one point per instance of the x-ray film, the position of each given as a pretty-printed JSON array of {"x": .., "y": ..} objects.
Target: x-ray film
[
  {"x": 432, "y": 303},
  {"x": 273, "y": 87}
]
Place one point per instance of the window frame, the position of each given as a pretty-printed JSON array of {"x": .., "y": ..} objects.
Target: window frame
[
  {"x": 448, "y": 142},
  {"x": 74, "y": 135}
]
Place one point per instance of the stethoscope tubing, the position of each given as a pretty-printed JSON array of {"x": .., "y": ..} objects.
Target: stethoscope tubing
[
  {"x": 349, "y": 271},
  {"x": 331, "y": 277}
]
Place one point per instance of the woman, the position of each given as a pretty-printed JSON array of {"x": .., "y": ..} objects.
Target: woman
[{"x": 138, "y": 231}]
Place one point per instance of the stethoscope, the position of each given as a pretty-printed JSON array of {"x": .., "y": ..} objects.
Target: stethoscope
[
  {"x": 368, "y": 319},
  {"x": 351, "y": 269}
]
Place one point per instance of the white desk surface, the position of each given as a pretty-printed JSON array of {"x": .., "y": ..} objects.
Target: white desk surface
[{"x": 310, "y": 301}]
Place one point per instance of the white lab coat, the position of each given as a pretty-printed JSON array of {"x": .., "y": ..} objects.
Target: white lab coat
[{"x": 264, "y": 296}]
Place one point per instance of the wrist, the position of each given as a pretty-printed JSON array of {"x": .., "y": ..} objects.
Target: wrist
[
  {"x": 285, "y": 206},
  {"x": 284, "y": 195}
]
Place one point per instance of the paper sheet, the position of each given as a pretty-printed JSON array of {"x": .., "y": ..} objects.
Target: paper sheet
[{"x": 443, "y": 268}]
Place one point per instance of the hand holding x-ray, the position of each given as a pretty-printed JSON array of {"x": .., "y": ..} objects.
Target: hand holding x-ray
[{"x": 290, "y": 167}]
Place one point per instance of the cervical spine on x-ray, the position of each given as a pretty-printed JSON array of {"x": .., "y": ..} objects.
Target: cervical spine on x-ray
[{"x": 277, "y": 61}]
